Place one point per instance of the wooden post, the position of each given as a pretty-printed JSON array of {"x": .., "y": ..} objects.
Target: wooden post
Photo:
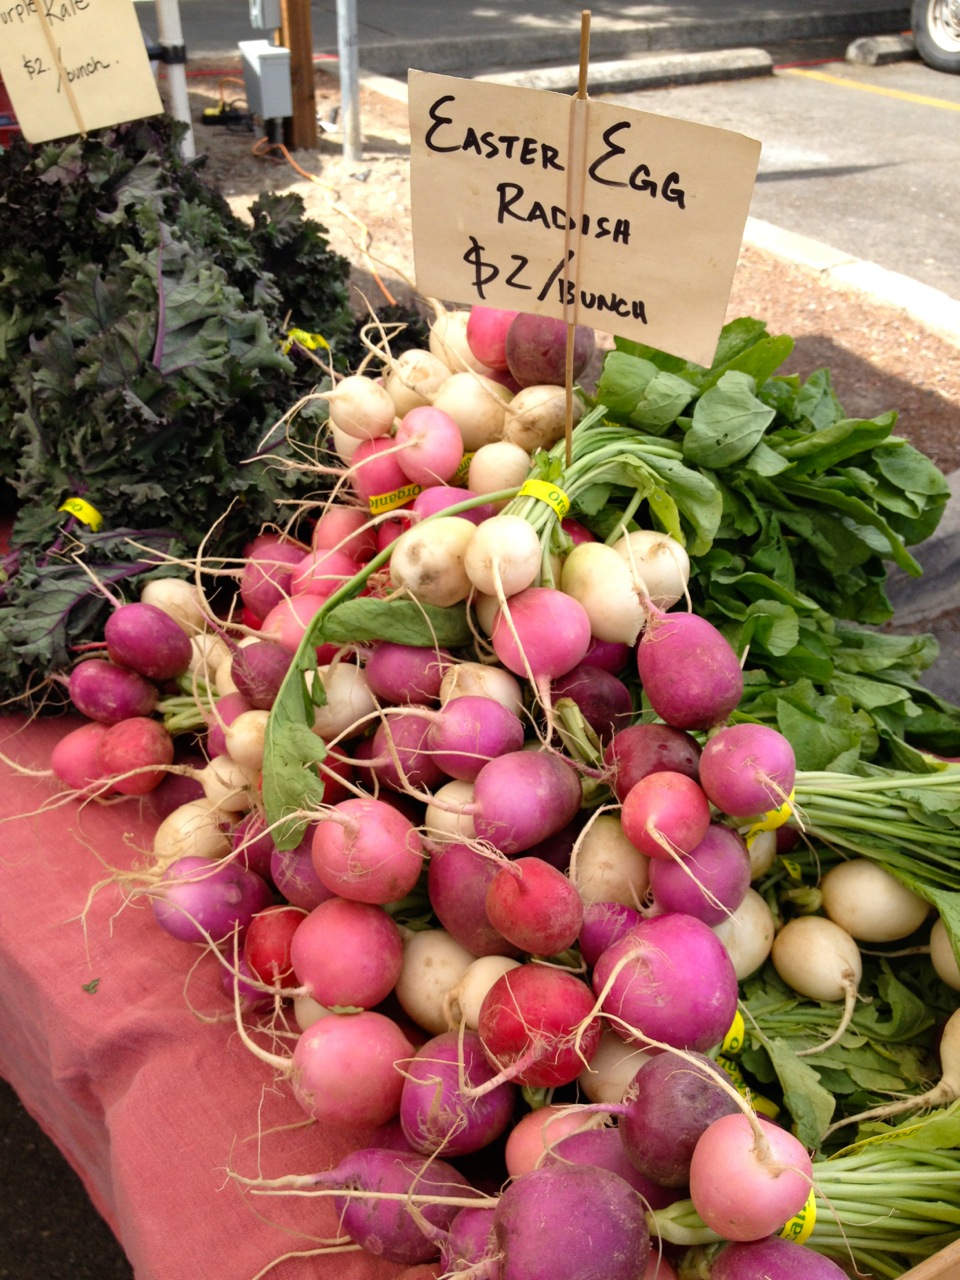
[{"x": 300, "y": 131}]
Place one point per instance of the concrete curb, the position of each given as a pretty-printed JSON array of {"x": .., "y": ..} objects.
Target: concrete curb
[
  {"x": 647, "y": 71},
  {"x": 624, "y": 39}
]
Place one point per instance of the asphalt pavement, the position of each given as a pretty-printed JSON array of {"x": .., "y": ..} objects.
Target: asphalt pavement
[{"x": 65, "y": 1236}]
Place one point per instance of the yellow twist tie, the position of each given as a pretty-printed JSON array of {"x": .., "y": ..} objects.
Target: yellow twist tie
[
  {"x": 799, "y": 1228},
  {"x": 82, "y": 510},
  {"x": 549, "y": 493},
  {"x": 381, "y": 502}
]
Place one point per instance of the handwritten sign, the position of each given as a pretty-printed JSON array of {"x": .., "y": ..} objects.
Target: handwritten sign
[
  {"x": 533, "y": 201},
  {"x": 74, "y": 65}
]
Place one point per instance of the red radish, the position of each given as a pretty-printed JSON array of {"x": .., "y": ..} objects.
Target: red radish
[
  {"x": 266, "y": 575},
  {"x": 536, "y": 1024},
  {"x": 536, "y": 349},
  {"x": 403, "y": 673},
  {"x": 576, "y": 531},
  {"x": 347, "y": 954},
  {"x": 668, "y": 1105},
  {"x": 74, "y": 758},
  {"x": 345, "y": 529},
  {"x": 522, "y": 797},
  {"x": 320, "y": 573},
  {"x": 437, "y": 1116},
  {"x": 457, "y": 880},
  {"x": 486, "y": 333},
  {"x": 344, "y": 1069},
  {"x": 196, "y": 898},
  {"x": 535, "y": 907},
  {"x": 688, "y": 670},
  {"x": 670, "y": 981},
  {"x": 267, "y": 945},
  {"x": 747, "y": 769},
  {"x": 748, "y": 1177},
  {"x": 375, "y": 469},
  {"x": 128, "y": 752},
  {"x": 145, "y": 639},
  {"x": 100, "y": 690},
  {"x": 709, "y": 883},
  {"x": 773, "y": 1259},
  {"x": 366, "y": 850},
  {"x": 431, "y": 446},
  {"x": 258, "y": 670},
  {"x": 388, "y": 531},
  {"x": 640, "y": 749},
  {"x": 574, "y": 1221},
  {"x": 665, "y": 815}
]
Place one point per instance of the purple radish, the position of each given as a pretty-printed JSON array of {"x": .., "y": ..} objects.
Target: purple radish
[
  {"x": 604, "y": 923},
  {"x": 147, "y": 640},
  {"x": 667, "y": 1106},
  {"x": 295, "y": 877},
  {"x": 773, "y": 1259},
  {"x": 669, "y": 980},
  {"x": 710, "y": 882},
  {"x": 457, "y": 880},
  {"x": 402, "y": 758},
  {"x": 649, "y": 748},
  {"x": 689, "y": 673},
  {"x": 467, "y": 732},
  {"x": 196, "y": 898},
  {"x": 747, "y": 769},
  {"x": 103, "y": 691},
  {"x": 604, "y": 1149},
  {"x": 253, "y": 844},
  {"x": 523, "y": 797},
  {"x": 258, "y": 671},
  {"x": 536, "y": 349},
  {"x": 470, "y": 1244},
  {"x": 437, "y": 1116},
  {"x": 574, "y": 1221},
  {"x": 403, "y": 673}
]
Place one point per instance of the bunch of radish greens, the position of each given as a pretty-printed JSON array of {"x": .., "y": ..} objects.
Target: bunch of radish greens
[{"x": 549, "y": 810}]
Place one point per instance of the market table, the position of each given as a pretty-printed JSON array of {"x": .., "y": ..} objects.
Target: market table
[{"x": 133, "y": 1071}]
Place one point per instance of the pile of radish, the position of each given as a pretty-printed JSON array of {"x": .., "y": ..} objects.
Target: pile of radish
[{"x": 513, "y": 910}]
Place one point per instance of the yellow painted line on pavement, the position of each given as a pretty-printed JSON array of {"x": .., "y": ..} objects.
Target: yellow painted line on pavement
[{"x": 871, "y": 88}]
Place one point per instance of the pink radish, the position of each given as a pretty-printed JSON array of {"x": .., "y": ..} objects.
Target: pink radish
[
  {"x": 467, "y": 732},
  {"x": 366, "y": 850},
  {"x": 431, "y": 446},
  {"x": 74, "y": 758},
  {"x": 486, "y": 334},
  {"x": 401, "y": 673},
  {"x": 345, "y": 529},
  {"x": 347, "y": 953},
  {"x": 688, "y": 670},
  {"x": 375, "y": 469},
  {"x": 266, "y": 575},
  {"x": 322, "y": 572},
  {"x": 665, "y": 815},
  {"x": 344, "y": 1069},
  {"x": 773, "y": 1259},
  {"x": 535, "y": 907},
  {"x": 103, "y": 691}
]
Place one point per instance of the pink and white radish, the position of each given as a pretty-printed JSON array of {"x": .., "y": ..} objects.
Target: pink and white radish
[{"x": 747, "y": 769}]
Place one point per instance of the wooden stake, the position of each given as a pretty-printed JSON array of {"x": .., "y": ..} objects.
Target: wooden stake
[
  {"x": 300, "y": 131},
  {"x": 576, "y": 173}
]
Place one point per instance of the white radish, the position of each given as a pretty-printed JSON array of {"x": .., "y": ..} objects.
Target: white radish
[
  {"x": 606, "y": 867},
  {"x": 601, "y": 580},
  {"x": 360, "y": 407},
  {"x": 871, "y": 904},
  {"x": 209, "y": 651},
  {"x": 611, "y": 1069},
  {"x": 762, "y": 848},
  {"x": 477, "y": 679},
  {"x": 464, "y": 1000},
  {"x": 485, "y": 610},
  {"x": 246, "y": 738},
  {"x": 428, "y": 560},
  {"x": 819, "y": 960},
  {"x": 348, "y": 699},
  {"x": 414, "y": 378},
  {"x": 536, "y": 417},
  {"x": 180, "y": 599},
  {"x": 307, "y": 1011},
  {"x": 659, "y": 562},
  {"x": 501, "y": 464},
  {"x": 748, "y": 934},
  {"x": 478, "y": 406},
  {"x": 445, "y": 821},
  {"x": 503, "y": 556},
  {"x": 448, "y": 341},
  {"x": 433, "y": 965},
  {"x": 942, "y": 956},
  {"x": 232, "y": 787},
  {"x": 197, "y": 828},
  {"x": 344, "y": 446}
]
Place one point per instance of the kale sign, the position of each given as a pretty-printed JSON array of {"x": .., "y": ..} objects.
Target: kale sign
[{"x": 534, "y": 201}]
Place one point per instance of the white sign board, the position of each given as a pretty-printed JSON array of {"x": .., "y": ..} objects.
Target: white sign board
[
  {"x": 71, "y": 66},
  {"x": 534, "y": 201}
]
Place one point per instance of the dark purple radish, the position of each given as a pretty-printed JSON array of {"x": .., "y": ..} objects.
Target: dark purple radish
[
  {"x": 403, "y": 673},
  {"x": 669, "y": 981},
  {"x": 196, "y": 899},
  {"x": 666, "y": 1108},
  {"x": 467, "y": 732},
  {"x": 747, "y": 769},
  {"x": 536, "y": 1023},
  {"x": 523, "y": 797},
  {"x": 613, "y": 655},
  {"x": 535, "y": 907},
  {"x": 253, "y": 844},
  {"x": 457, "y": 880},
  {"x": 604, "y": 700},
  {"x": 438, "y": 1117},
  {"x": 258, "y": 671},
  {"x": 574, "y": 1221},
  {"x": 147, "y": 640},
  {"x": 265, "y": 580},
  {"x": 382, "y": 1223},
  {"x": 665, "y": 815},
  {"x": 558, "y": 847},
  {"x": 604, "y": 923},
  {"x": 103, "y": 691},
  {"x": 536, "y": 349},
  {"x": 649, "y": 748},
  {"x": 293, "y": 873},
  {"x": 773, "y": 1259},
  {"x": 710, "y": 882},
  {"x": 689, "y": 672},
  {"x": 470, "y": 1245},
  {"x": 402, "y": 758},
  {"x": 604, "y": 1149},
  {"x": 177, "y": 788}
]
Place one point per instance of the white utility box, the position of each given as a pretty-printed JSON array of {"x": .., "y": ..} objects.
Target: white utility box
[{"x": 266, "y": 75}]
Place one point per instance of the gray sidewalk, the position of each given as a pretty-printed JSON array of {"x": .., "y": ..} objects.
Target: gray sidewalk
[{"x": 446, "y": 36}]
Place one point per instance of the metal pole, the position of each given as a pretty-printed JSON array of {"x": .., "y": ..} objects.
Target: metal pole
[
  {"x": 347, "y": 48},
  {"x": 174, "y": 58}
]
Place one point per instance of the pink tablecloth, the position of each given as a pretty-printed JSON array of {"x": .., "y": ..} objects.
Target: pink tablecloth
[{"x": 101, "y": 1038}]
